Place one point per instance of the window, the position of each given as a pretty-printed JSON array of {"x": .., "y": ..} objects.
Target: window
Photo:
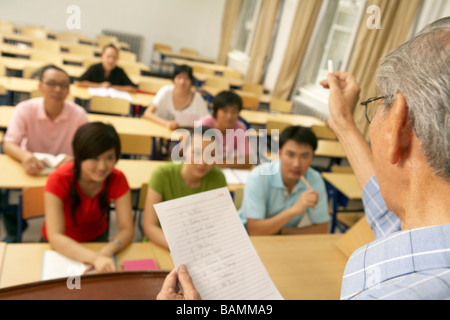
[
  {"x": 245, "y": 26},
  {"x": 333, "y": 39}
]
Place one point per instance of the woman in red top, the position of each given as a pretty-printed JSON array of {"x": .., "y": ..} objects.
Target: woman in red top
[{"x": 78, "y": 195}]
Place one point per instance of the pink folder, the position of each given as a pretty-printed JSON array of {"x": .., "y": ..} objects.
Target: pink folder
[{"x": 142, "y": 264}]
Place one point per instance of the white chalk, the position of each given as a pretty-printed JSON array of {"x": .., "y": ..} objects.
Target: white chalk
[{"x": 330, "y": 66}]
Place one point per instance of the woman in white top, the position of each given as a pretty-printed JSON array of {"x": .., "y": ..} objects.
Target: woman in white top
[{"x": 177, "y": 105}]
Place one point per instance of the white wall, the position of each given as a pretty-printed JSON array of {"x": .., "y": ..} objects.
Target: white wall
[{"x": 190, "y": 23}]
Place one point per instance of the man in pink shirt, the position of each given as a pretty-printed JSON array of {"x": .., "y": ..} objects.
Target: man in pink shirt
[{"x": 45, "y": 125}]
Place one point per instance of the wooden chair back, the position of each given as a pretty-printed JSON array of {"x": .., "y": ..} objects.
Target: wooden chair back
[
  {"x": 218, "y": 82},
  {"x": 280, "y": 105},
  {"x": 33, "y": 202},
  {"x": 189, "y": 51},
  {"x": 109, "y": 105},
  {"x": 322, "y": 132},
  {"x": 252, "y": 87},
  {"x": 127, "y": 56},
  {"x": 47, "y": 45},
  {"x": 250, "y": 102}
]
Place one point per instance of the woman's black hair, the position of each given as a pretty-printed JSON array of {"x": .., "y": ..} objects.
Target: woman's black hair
[
  {"x": 299, "y": 134},
  {"x": 91, "y": 140},
  {"x": 224, "y": 99},
  {"x": 110, "y": 46},
  {"x": 181, "y": 69}
]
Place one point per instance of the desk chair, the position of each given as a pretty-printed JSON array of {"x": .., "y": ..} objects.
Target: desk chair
[
  {"x": 250, "y": 102},
  {"x": 136, "y": 145},
  {"x": 2, "y": 70},
  {"x": 82, "y": 50},
  {"x": 280, "y": 105},
  {"x": 253, "y": 87},
  {"x": 103, "y": 40},
  {"x": 29, "y": 72},
  {"x": 127, "y": 56},
  {"x": 141, "y": 194},
  {"x": 108, "y": 105},
  {"x": 35, "y": 32},
  {"x": 89, "y": 61},
  {"x": 232, "y": 74},
  {"x": 47, "y": 56},
  {"x": 3, "y": 90},
  {"x": 189, "y": 51},
  {"x": 218, "y": 82},
  {"x": 152, "y": 86},
  {"x": 47, "y": 45},
  {"x": 69, "y": 37},
  {"x": 157, "y": 62},
  {"x": 6, "y": 27},
  {"x": 31, "y": 205},
  {"x": 203, "y": 70},
  {"x": 322, "y": 132},
  {"x": 131, "y": 69}
]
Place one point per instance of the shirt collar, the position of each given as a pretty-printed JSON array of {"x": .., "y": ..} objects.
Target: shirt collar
[{"x": 42, "y": 115}]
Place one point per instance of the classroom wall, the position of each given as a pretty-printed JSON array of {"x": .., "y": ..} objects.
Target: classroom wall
[{"x": 194, "y": 23}]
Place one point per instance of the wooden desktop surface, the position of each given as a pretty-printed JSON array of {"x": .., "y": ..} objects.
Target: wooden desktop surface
[
  {"x": 346, "y": 183},
  {"x": 303, "y": 267},
  {"x": 23, "y": 261},
  {"x": 28, "y": 85},
  {"x": 123, "y": 125},
  {"x": 262, "y": 117},
  {"x": 185, "y": 56}
]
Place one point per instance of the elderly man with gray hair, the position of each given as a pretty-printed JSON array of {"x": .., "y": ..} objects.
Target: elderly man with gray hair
[{"x": 405, "y": 174}]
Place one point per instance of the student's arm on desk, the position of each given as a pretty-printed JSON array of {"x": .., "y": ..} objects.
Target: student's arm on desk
[
  {"x": 31, "y": 165},
  {"x": 54, "y": 220},
  {"x": 150, "y": 222},
  {"x": 149, "y": 114},
  {"x": 124, "y": 217}
]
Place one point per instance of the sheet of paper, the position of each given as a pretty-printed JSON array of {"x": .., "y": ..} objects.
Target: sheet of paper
[
  {"x": 109, "y": 92},
  {"x": 55, "y": 265},
  {"x": 205, "y": 233},
  {"x": 236, "y": 176}
]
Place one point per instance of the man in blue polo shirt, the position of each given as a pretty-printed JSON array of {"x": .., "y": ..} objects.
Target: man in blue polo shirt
[{"x": 276, "y": 196}]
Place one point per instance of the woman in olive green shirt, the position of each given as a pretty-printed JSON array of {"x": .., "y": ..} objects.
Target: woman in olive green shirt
[{"x": 172, "y": 180}]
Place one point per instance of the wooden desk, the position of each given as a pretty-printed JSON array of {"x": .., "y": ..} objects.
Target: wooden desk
[
  {"x": 262, "y": 117},
  {"x": 23, "y": 261},
  {"x": 184, "y": 56},
  {"x": 301, "y": 266},
  {"x": 28, "y": 85},
  {"x": 123, "y": 125},
  {"x": 13, "y": 176},
  {"x": 344, "y": 183},
  {"x": 2, "y": 255}
]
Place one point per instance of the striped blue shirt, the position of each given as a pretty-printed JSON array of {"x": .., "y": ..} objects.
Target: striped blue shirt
[{"x": 409, "y": 264}]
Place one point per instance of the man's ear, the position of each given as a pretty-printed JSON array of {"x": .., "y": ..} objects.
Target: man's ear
[{"x": 400, "y": 129}]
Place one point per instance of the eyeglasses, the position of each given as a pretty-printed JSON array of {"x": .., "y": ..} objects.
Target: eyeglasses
[
  {"x": 53, "y": 85},
  {"x": 372, "y": 109}
]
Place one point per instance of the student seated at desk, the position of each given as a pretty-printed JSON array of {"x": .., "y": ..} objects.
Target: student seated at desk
[
  {"x": 225, "y": 118},
  {"x": 172, "y": 180},
  {"x": 276, "y": 196},
  {"x": 177, "y": 105},
  {"x": 107, "y": 74},
  {"x": 78, "y": 197},
  {"x": 46, "y": 125}
]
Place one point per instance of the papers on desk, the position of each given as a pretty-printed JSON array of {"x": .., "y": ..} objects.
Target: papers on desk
[
  {"x": 236, "y": 176},
  {"x": 55, "y": 265},
  {"x": 109, "y": 92},
  {"x": 205, "y": 233}
]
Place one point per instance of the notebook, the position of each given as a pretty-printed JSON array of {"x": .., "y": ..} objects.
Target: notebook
[{"x": 140, "y": 264}]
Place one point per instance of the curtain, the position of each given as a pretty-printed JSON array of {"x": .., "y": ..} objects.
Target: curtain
[
  {"x": 231, "y": 12},
  {"x": 372, "y": 45},
  {"x": 302, "y": 27},
  {"x": 263, "y": 37}
]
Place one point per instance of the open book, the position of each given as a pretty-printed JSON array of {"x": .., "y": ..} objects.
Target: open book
[
  {"x": 55, "y": 265},
  {"x": 109, "y": 92},
  {"x": 50, "y": 161},
  {"x": 204, "y": 233}
]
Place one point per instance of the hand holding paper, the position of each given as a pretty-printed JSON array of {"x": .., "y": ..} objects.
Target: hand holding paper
[{"x": 205, "y": 233}]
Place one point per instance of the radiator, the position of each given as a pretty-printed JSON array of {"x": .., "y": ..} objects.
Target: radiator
[{"x": 134, "y": 40}]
